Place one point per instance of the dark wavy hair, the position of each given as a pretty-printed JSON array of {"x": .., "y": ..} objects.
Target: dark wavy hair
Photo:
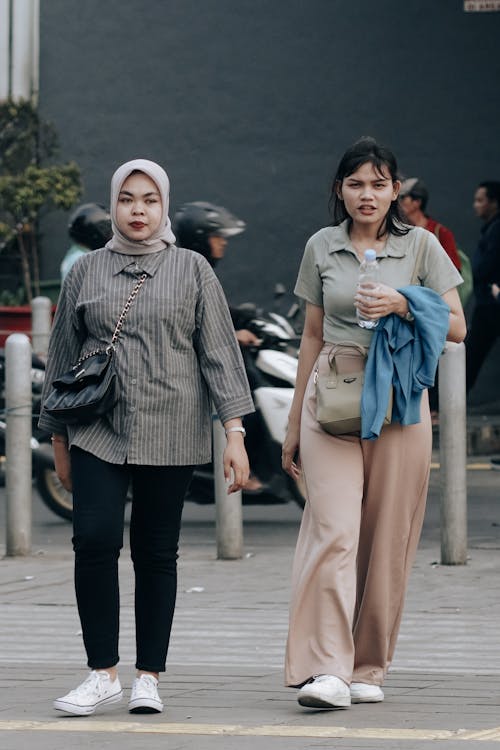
[{"x": 361, "y": 152}]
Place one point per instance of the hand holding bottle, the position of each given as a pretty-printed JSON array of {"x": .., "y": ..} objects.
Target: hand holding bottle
[
  {"x": 374, "y": 300},
  {"x": 368, "y": 283},
  {"x": 384, "y": 300}
]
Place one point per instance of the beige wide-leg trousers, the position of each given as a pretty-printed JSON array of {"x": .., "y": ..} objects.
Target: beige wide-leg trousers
[{"x": 356, "y": 545}]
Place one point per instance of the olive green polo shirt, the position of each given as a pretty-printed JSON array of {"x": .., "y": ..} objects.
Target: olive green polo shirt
[{"x": 329, "y": 271}]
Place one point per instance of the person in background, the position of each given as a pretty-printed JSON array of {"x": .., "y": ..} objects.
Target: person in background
[
  {"x": 485, "y": 322},
  {"x": 365, "y": 498},
  {"x": 413, "y": 198},
  {"x": 206, "y": 228},
  {"x": 90, "y": 228},
  {"x": 176, "y": 354}
]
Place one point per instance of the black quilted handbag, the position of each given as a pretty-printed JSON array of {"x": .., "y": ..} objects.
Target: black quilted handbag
[
  {"x": 87, "y": 391},
  {"x": 90, "y": 389}
]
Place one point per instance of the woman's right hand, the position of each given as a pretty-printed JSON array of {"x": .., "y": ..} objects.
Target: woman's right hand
[
  {"x": 62, "y": 463},
  {"x": 311, "y": 344},
  {"x": 290, "y": 450}
]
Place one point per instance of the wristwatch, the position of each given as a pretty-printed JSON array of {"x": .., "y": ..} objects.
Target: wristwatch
[{"x": 237, "y": 429}]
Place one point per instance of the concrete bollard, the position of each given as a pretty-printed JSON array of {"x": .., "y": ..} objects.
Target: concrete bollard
[
  {"x": 228, "y": 508},
  {"x": 41, "y": 323},
  {"x": 453, "y": 455},
  {"x": 18, "y": 446}
]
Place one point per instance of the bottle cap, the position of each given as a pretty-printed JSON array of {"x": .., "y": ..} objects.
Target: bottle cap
[{"x": 370, "y": 255}]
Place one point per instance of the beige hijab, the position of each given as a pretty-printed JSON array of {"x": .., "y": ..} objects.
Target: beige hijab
[{"x": 163, "y": 236}]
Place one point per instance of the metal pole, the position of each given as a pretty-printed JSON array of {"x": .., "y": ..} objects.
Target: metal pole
[
  {"x": 41, "y": 322},
  {"x": 18, "y": 447},
  {"x": 11, "y": 48},
  {"x": 228, "y": 510},
  {"x": 453, "y": 455}
]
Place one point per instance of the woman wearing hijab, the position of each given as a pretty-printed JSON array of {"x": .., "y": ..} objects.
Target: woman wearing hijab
[{"x": 176, "y": 351}]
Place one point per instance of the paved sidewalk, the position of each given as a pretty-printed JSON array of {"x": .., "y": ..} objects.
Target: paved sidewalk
[{"x": 224, "y": 681}]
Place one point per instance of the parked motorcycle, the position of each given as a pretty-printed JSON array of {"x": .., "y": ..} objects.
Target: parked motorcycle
[
  {"x": 42, "y": 457},
  {"x": 272, "y": 370}
]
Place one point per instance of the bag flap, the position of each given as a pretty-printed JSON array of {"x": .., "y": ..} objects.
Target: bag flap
[{"x": 88, "y": 371}]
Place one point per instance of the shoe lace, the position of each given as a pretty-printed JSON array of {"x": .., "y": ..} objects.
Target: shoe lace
[
  {"x": 321, "y": 677},
  {"x": 146, "y": 684},
  {"x": 91, "y": 685}
]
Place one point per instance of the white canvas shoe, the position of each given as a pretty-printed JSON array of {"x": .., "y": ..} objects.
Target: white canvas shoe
[
  {"x": 97, "y": 690},
  {"x": 362, "y": 692},
  {"x": 325, "y": 691},
  {"x": 144, "y": 698}
]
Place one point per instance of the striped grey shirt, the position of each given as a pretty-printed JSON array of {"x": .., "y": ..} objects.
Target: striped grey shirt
[{"x": 177, "y": 349}]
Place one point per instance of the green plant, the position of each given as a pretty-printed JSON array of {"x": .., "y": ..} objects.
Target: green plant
[
  {"x": 30, "y": 184},
  {"x": 11, "y": 299}
]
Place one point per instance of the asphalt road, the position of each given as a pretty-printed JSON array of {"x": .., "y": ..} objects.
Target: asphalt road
[{"x": 224, "y": 685}]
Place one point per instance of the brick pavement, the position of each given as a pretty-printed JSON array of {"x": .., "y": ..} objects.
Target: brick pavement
[{"x": 224, "y": 682}]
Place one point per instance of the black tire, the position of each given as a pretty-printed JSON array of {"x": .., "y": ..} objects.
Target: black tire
[
  {"x": 53, "y": 494},
  {"x": 298, "y": 490}
]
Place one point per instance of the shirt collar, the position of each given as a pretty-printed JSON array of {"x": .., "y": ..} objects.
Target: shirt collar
[
  {"x": 395, "y": 247},
  {"x": 135, "y": 265},
  {"x": 491, "y": 221}
]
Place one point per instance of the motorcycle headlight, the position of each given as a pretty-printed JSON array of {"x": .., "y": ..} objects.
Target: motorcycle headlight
[{"x": 37, "y": 376}]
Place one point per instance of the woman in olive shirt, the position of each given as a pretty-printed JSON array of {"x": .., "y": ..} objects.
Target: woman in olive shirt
[{"x": 366, "y": 499}]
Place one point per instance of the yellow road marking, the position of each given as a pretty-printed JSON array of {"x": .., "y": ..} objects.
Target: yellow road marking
[
  {"x": 471, "y": 467},
  {"x": 68, "y": 724}
]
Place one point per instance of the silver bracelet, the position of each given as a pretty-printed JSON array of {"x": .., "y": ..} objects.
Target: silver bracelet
[{"x": 236, "y": 429}]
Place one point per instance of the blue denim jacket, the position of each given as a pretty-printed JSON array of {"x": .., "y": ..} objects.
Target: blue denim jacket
[{"x": 405, "y": 355}]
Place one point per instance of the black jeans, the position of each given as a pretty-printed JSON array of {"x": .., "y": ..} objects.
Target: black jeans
[
  {"x": 99, "y": 496},
  {"x": 484, "y": 331}
]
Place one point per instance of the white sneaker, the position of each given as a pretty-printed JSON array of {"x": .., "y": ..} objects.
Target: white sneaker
[
  {"x": 97, "y": 690},
  {"x": 495, "y": 463},
  {"x": 361, "y": 692},
  {"x": 325, "y": 691},
  {"x": 144, "y": 698}
]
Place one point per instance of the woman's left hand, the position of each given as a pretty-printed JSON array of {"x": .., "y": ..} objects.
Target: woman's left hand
[
  {"x": 375, "y": 303},
  {"x": 235, "y": 458}
]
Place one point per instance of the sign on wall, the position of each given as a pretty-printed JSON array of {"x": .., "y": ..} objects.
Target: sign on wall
[{"x": 476, "y": 6}]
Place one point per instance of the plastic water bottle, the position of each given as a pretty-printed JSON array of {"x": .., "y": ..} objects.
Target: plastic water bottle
[{"x": 368, "y": 277}]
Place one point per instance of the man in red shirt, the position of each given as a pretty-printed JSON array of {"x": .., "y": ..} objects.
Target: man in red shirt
[{"x": 413, "y": 198}]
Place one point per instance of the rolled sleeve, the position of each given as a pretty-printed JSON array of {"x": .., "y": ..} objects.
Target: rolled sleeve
[
  {"x": 309, "y": 284},
  {"x": 437, "y": 270},
  {"x": 219, "y": 354}
]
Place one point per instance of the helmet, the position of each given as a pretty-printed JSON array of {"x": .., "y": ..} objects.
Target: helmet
[
  {"x": 195, "y": 222},
  {"x": 90, "y": 225}
]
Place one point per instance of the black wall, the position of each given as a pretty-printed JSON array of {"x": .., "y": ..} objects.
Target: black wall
[{"x": 250, "y": 103}]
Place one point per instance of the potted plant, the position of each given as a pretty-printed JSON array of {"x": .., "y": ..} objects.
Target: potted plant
[{"x": 30, "y": 185}]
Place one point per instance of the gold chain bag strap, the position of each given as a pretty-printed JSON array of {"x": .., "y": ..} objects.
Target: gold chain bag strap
[{"x": 90, "y": 389}]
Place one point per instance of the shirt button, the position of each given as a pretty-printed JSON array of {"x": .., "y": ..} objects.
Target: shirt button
[
  {"x": 132, "y": 409},
  {"x": 133, "y": 381}
]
